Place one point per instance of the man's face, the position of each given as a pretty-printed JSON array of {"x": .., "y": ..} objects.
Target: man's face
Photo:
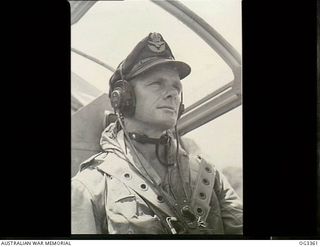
[{"x": 157, "y": 97}]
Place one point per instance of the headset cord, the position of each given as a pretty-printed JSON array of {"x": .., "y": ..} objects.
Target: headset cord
[
  {"x": 184, "y": 184},
  {"x": 166, "y": 146},
  {"x": 139, "y": 163}
]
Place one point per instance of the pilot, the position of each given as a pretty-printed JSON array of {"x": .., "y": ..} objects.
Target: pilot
[{"x": 146, "y": 180}]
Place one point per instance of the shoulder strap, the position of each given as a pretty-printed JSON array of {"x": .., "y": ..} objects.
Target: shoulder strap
[
  {"x": 203, "y": 188},
  {"x": 202, "y": 179},
  {"x": 88, "y": 162},
  {"x": 116, "y": 167}
]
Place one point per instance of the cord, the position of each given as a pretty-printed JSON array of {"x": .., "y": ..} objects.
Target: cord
[
  {"x": 178, "y": 162},
  {"x": 133, "y": 148}
]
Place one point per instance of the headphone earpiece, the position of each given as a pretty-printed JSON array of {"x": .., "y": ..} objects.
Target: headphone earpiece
[{"x": 122, "y": 98}]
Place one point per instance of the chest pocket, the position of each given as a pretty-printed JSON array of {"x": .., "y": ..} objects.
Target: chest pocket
[{"x": 126, "y": 211}]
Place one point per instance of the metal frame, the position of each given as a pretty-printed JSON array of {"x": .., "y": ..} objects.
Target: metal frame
[
  {"x": 204, "y": 30},
  {"x": 213, "y": 105},
  {"x": 93, "y": 59},
  {"x": 78, "y": 9}
]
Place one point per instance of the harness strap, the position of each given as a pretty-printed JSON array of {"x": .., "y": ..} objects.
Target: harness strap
[
  {"x": 202, "y": 193},
  {"x": 201, "y": 196}
]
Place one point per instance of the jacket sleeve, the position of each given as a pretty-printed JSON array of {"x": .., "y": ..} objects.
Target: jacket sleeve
[
  {"x": 83, "y": 220},
  {"x": 230, "y": 205}
]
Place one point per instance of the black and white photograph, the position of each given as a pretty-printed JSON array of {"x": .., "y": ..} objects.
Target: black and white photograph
[
  {"x": 180, "y": 121},
  {"x": 156, "y": 117}
]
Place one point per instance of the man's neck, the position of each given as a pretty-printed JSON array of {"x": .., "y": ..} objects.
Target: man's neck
[
  {"x": 143, "y": 129},
  {"x": 147, "y": 150}
]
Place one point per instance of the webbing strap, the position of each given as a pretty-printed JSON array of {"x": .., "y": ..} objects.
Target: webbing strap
[
  {"x": 201, "y": 196},
  {"x": 202, "y": 193}
]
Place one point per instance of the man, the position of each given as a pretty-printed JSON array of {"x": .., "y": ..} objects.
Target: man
[{"x": 146, "y": 181}]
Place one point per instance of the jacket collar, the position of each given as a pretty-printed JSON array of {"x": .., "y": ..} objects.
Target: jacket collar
[{"x": 113, "y": 141}]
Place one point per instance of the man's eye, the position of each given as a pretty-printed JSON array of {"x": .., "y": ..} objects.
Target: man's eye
[{"x": 155, "y": 83}]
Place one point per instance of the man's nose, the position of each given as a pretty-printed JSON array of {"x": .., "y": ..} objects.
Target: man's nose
[{"x": 172, "y": 93}]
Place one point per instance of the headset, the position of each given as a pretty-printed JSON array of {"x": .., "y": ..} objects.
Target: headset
[{"x": 123, "y": 98}]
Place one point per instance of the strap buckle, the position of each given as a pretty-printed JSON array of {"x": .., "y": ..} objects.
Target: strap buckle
[
  {"x": 168, "y": 220},
  {"x": 193, "y": 221},
  {"x": 201, "y": 223}
]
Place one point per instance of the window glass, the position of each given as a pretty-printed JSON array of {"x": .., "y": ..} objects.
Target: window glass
[{"x": 110, "y": 30}]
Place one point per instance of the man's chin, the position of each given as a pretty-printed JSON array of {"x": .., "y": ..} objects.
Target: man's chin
[{"x": 167, "y": 123}]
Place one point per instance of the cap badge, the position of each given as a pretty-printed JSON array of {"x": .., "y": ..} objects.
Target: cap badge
[{"x": 155, "y": 44}]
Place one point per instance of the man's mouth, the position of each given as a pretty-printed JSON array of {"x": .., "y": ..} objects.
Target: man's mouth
[{"x": 167, "y": 107}]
